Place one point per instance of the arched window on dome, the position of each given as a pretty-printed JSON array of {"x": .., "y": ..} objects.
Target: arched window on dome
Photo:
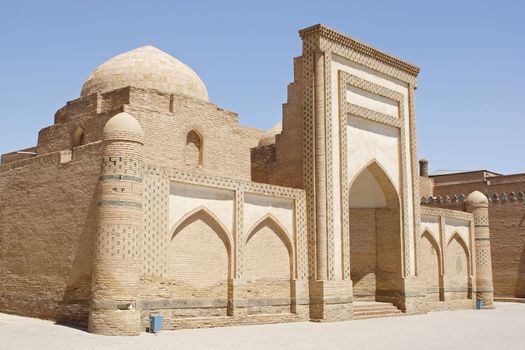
[
  {"x": 78, "y": 137},
  {"x": 193, "y": 149}
]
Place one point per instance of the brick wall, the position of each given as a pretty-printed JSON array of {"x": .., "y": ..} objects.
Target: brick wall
[
  {"x": 507, "y": 235},
  {"x": 46, "y": 234},
  {"x": 282, "y": 163},
  {"x": 363, "y": 253},
  {"x": 166, "y": 120},
  {"x": 225, "y": 145},
  {"x": 264, "y": 163}
]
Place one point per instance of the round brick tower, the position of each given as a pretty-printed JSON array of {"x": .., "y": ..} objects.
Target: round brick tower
[
  {"x": 116, "y": 269},
  {"x": 478, "y": 205}
]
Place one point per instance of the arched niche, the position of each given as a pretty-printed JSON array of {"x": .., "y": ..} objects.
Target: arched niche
[
  {"x": 268, "y": 267},
  {"x": 430, "y": 272},
  {"x": 199, "y": 262},
  {"x": 457, "y": 269},
  {"x": 193, "y": 149},
  {"x": 375, "y": 236},
  {"x": 78, "y": 137}
]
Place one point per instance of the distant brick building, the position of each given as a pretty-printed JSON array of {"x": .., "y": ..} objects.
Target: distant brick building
[
  {"x": 145, "y": 198},
  {"x": 506, "y": 194}
]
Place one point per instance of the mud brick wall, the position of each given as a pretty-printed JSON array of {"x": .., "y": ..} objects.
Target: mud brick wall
[
  {"x": 507, "y": 234},
  {"x": 46, "y": 234}
]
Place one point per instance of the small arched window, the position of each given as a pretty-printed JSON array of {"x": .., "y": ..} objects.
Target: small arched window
[
  {"x": 193, "y": 149},
  {"x": 78, "y": 137}
]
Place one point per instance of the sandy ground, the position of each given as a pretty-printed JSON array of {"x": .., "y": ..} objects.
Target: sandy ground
[{"x": 501, "y": 328}]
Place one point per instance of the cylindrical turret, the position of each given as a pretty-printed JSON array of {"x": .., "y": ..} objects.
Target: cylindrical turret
[
  {"x": 423, "y": 168},
  {"x": 116, "y": 267},
  {"x": 478, "y": 205}
]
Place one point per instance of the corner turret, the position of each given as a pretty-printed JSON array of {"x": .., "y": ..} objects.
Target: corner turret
[
  {"x": 116, "y": 269},
  {"x": 478, "y": 205}
]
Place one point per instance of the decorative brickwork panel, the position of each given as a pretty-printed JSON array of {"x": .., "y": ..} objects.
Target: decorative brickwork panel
[{"x": 156, "y": 230}]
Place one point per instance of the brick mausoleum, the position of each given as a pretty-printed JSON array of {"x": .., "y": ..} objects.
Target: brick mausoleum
[{"x": 145, "y": 198}]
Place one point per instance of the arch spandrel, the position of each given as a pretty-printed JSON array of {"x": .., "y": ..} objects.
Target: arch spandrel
[{"x": 186, "y": 218}]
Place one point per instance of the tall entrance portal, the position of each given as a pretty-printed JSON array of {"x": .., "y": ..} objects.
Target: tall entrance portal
[{"x": 375, "y": 237}]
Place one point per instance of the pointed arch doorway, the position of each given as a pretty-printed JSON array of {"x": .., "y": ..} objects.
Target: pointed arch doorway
[{"x": 375, "y": 237}]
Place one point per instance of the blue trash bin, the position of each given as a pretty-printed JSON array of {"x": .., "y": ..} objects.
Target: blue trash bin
[
  {"x": 155, "y": 323},
  {"x": 480, "y": 304}
]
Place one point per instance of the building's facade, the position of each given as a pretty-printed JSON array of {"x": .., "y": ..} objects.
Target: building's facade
[
  {"x": 145, "y": 198},
  {"x": 506, "y": 194}
]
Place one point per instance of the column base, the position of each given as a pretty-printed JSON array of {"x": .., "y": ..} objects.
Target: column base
[
  {"x": 330, "y": 301},
  {"x": 488, "y": 299},
  {"x": 114, "y": 322}
]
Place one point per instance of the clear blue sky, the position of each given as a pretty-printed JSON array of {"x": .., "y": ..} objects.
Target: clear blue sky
[{"x": 472, "y": 55}]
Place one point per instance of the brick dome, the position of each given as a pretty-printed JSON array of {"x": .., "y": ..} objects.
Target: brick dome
[
  {"x": 146, "y": 67},
  {"x": 477, "y": 197},
  {"x": 123, "y": 122}
]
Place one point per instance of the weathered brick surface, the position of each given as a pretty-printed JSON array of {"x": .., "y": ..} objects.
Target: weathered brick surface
[
  {"x": 282, "y": 163},
  {"x": 363, "y": 253},
  {"x": 507, "y": 234},
  {"x": 46, "y": 235}
]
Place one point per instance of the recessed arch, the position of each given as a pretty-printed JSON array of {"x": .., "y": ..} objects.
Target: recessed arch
[
  {"x": 383, "y": 179},
  {"x": 199, "y": 261},
  {"x": 268, "y": 266},
  {"x": 431, "y": 268},
  {"x": 268, "y": 219},
  {"x": 428, "y": 231},
  {"x": 78, "y": 137},
  {"x": 428, "y": 235},
  {"x": 175, "y": 228},
  {"x": 375, "y": 234},
  {"x": 456, "y": 235},
  {"x": 458, "y": 277},
  {"x": 219, "y": 228},
  {"x": 193, "y": 149},
  {"x": 272, "y": 223}
]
